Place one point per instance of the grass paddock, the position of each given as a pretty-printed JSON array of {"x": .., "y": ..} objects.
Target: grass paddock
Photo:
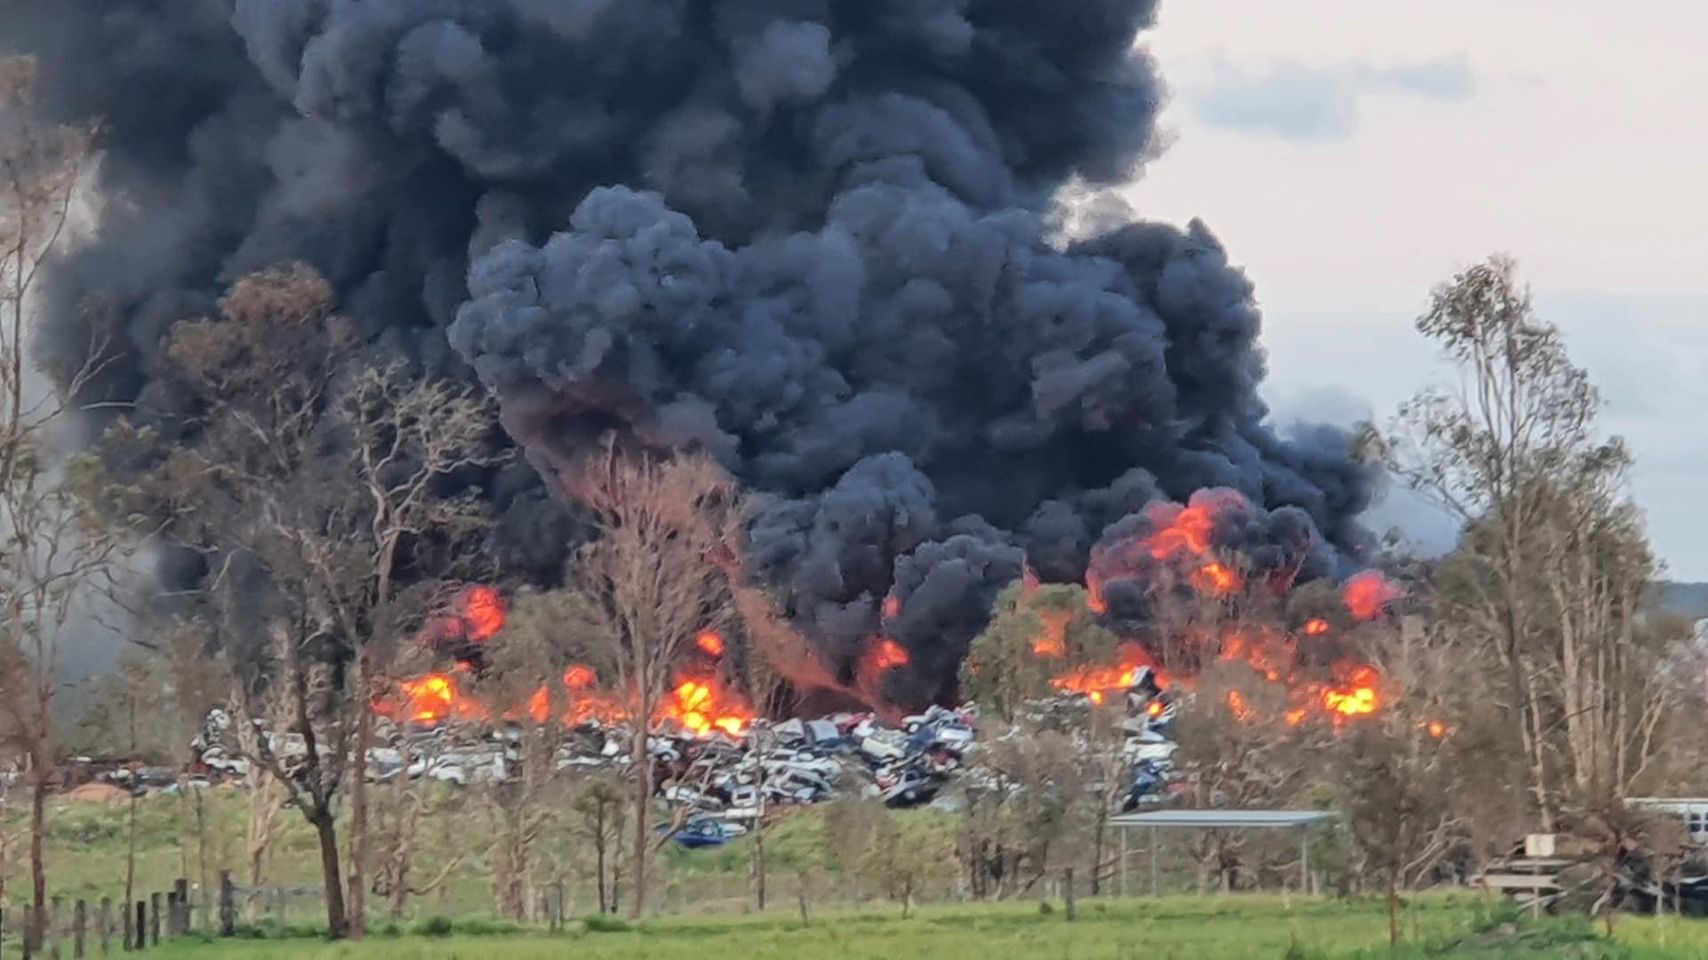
[{"x": 1230, "y": 928}]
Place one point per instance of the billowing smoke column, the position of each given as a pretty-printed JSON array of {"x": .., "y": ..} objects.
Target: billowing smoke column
[{"x": 806, "y": 237}]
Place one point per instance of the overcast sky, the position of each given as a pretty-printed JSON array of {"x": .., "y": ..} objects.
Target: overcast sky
[{"x": 1351, "y": 155}]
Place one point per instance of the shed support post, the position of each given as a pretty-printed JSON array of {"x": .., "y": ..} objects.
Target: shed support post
[
  {"x": 1305, "y": 860},
  {"x": 1156, "y": 885}
]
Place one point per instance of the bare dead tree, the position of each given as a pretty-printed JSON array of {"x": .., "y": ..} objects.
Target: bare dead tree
[
  {"x": 312, "y": 484},
  {"x": 408, "y": 435},
  {"x": 58, "y": 549},
  {"x": 526, "y": 664},
  {"x": 646, "y": 587}
]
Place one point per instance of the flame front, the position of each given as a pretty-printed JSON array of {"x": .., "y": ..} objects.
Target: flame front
[
  {"x": 887, "y": 655},
  {"x": 1051, "y": 642},
  {"x": 1367, "y": 594},
  {"x": 698, "y": 704}
]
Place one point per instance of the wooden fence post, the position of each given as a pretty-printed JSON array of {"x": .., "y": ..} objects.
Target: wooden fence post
[
  {"x": 227, "y": 905},
  {"x": 154, "y": 904},
  {"x": 79, "y": 928},
  {"x": 140, "y": 927},
  {"x": 181, "y": 888},
  {"x": 1067, "y": 892},
  {"x": 129, "y": 921},
  {"x": 28, "y": 949},
  {"x": 104, "y": 925},
  {"x": 53, "y": 915}
]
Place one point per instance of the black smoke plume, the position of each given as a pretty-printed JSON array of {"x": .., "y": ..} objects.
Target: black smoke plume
[{"x": 807, "y": 236}]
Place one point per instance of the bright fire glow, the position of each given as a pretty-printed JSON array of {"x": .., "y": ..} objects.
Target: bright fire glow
[
  {"x": 483, "y": 611},
  {"x": 1368, "y": 593},
  {"x": 1051, "y": 642},
  {"x": 1358, "y": 698},
  {"x": 887, "y": 654},
  {"x": 1241, "y": 710},
  {"x": 1353, "y": 690},
  {"x": 700, "y": 707},
  {"x": 1096, "y": 683},
  {"x": 1181, "y": 537},
  {"x": 1216, "y": 580}
]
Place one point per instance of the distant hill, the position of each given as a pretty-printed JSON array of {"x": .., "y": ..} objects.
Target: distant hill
[{"x": 1688, "y": 600}]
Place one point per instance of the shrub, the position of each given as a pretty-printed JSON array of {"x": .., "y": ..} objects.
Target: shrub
[
  {"x": 435, "y": 926},
  {"x": 605, "y": 923}
]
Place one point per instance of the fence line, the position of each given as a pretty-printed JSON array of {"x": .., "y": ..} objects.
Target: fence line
[
  {"x": 168, "y": 915},
  {"x": 141, "y": 924}
]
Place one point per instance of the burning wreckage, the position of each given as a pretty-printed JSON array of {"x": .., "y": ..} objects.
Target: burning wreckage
[
  {"x": 717, "y": 763},
  {"x": 732, "y": 773}
]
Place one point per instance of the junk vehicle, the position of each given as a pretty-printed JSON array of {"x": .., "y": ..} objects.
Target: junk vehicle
[
  {"x": 1556, "y": 872},
  {"x": 699, "y": 834}
]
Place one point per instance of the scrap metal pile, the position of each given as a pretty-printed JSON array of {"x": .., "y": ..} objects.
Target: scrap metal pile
[{"x": 734, "y": 776}]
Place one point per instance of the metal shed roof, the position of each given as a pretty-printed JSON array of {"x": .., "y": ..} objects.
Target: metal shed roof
[{"x": 1272, "y": 819}]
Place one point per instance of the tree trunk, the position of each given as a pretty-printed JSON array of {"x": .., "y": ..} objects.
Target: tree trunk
[
  {"x": 38, "y": 861},
  {"x": 130, "y": 848},
  {"x": 337, "y": 920},
  {"x": 359, "y": 805},
  {"x": 642, "y": 834},
  {"x": 759, "y": 852},
  {"x": 599, "y": 858},
  {"x": 1393, "y": 905},
  {"x": 403, "y": 853},
  {"x": 202, "y": 850},
  {"x": 1097, "y": 840}
]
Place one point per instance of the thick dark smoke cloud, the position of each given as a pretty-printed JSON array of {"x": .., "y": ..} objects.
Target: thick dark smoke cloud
[{"x": 807, "y": 237}]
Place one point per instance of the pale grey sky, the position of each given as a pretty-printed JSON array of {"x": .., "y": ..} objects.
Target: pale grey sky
[{"x": 1351, "y": 155}]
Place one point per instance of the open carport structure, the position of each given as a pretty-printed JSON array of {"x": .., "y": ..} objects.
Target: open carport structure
[{"x": 1158, "y": 820}]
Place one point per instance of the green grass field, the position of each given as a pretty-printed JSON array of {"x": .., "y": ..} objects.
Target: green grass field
[
  {"x": 707, "y": 913},
  {"x": 1231, "y": 928}
]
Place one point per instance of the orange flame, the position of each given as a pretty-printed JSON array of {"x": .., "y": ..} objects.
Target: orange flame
[
  {"x": 710, "y": 644},
  {"x": 1216, "y": 580},
  {"x": 702, "y": 707},
  {"x": 892, "y": 607},
  {"x": 483, "y": 611},
  {"x": 1181, "y": 536},
  {"x": 436, "y": 697},
  {"x": 1098, "y": 682},
  {"x": 1242, "y": 711},
  {"x": 698, "y": 706},
  {"x": 887, "y": 654},
  {"x": 1437, "y": 729},
  {"x": 1051, "y": 643},
  {"x": 1358, "y": 698},
  {"x": 1094, "y": 594},
  {"x": 1368, "y": 593},
  {"x": 1316, "y": 627}
]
